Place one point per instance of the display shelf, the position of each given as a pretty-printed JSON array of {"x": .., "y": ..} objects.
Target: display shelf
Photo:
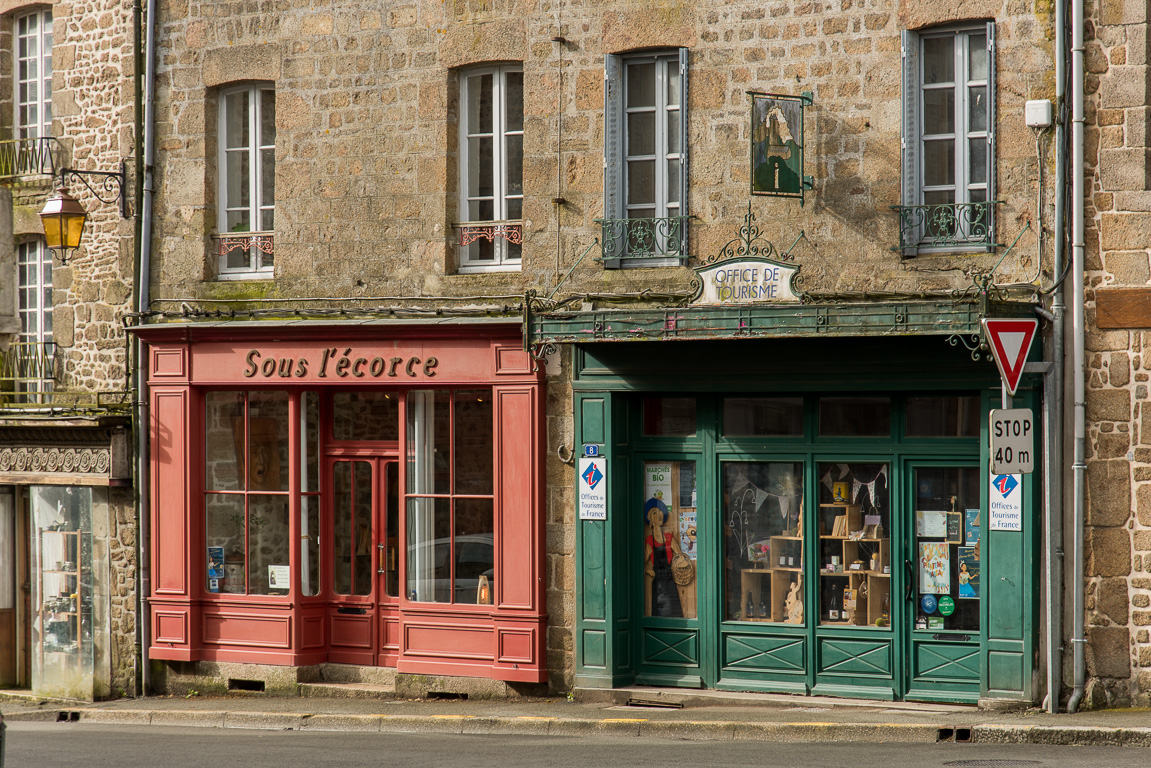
[
  {"x": 60, "y": 630},
  {"x": 841, "y": 544},
  {"x": 769, "y": 584}
]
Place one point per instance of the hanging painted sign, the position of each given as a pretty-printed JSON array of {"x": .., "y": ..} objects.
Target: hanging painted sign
[
  {"x": 592, "y": 489},
  {"x": 752, "y": 280},
  {"x": 777, "y": 145},
  {"x": 1006, "y": 501}
]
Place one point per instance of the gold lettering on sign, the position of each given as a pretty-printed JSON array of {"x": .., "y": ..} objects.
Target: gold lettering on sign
[{"x": 344, "y": 365}]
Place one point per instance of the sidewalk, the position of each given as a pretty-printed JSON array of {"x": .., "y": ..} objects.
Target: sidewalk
[{"x": 705, "y": 715}]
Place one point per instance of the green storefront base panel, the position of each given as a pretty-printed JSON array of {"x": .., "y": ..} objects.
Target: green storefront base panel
[
  {"x": 671, "y": 648},
  {"x": 759, "y": 685},
  {"x": 854, "y": 691},
  {"x": 594, "y": 649},
  {"x": 1005, "y": 674},
  {"x": 623, "y": 649},
  {"x": 944, "y": 694},
  {"x": 669, "y": 681},
  {"x": 854, "y": 657},
  {"x": 945, "y": 662},
  {"x": 764, "y": 653}
]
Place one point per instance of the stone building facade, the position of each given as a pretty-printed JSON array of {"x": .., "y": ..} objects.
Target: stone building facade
[
  {"x": 369, "y": 215},
  {"x": 66, "y": 101},
  {"x": 1119, "y": 495}
]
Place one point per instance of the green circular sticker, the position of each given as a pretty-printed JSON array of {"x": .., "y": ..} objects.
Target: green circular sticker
[{"x": 946, "y": 605}]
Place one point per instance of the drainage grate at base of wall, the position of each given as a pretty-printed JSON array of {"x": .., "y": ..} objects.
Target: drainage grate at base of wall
[
  {"x": 992, "y": 763},
  {"x": 235, "y": 684},
  {"x": 958, "y": 735},
  {"x": 447, "y": 696},
  {"x": 67, "y": 717}
]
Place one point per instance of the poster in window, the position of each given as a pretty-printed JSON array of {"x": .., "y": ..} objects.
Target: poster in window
[
  {"x": 968, "y": 572},
  {"x": 934, "y": 568},
  {"x": 955, "y": 527},
  {"x": 687, "y": 533},
  {"x": 930, "y": 524},
  {"x": 972, "y": 527}
]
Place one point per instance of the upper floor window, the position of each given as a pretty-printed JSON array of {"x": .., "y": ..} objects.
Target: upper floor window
[
  {"x": 645, "y": 170},
  {"x": 949, "y": 139},
  {"x": 491, "y": 168},
  {"x": 33, "y": 75},
  {"x": 247, "y": 181},
  {"x": 31, "y": 356}
]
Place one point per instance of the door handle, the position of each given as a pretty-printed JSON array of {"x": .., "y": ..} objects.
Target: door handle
[
  {"x": 909, "y": 591},
  {"x": 383, "y": 557}
]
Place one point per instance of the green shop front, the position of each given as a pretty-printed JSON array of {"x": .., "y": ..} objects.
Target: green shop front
[{"x": 797, "y": 497}]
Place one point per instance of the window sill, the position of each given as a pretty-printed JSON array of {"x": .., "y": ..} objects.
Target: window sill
[
  {"x": 266, "y": 275},
  {"x": 477, "y": 269}
]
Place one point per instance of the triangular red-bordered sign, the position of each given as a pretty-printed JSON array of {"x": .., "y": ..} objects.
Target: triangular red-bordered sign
[{"x": 1010, "y": 342}]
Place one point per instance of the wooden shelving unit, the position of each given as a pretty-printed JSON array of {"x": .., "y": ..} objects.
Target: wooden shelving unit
[
  {"x": 770, "y": 584},
  {"x": 870, "y": 581}
]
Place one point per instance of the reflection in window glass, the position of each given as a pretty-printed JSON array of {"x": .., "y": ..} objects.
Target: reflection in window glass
[
  {"x": 310, "y": 499},
  {"x": 763, "y": 541},
  {"x": 669, "y": 416},
  {"x": 854, "y": 524},
  {"x": 268, "y": 544},
  {"x": 948, "y": 524},
  {"x": 223, "y": 421},
  {"x": 365, "y": 416},
  {"x": 762, "y": 416},
  {"x": 352, "y": 527},
  {"x": 669, "y": 541},
  {"x": 943, "y": 416},
  {"x": 854, "y": 416},
  {"x": 450, "y": 532}
]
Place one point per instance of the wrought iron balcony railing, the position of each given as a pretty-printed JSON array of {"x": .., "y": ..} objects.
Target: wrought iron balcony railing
[
  {"x": 949, "y": 225},
  {"x": 27, "y": 374},
  {"x": 511, "y": 230},
  {"x": 31, "y": 157},
  {"x": 245, "y": 251},
  {"x": 664, "y": 238}
]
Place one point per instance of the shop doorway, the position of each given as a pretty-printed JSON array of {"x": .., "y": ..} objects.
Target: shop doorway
[{"x": 364, "y": 575}]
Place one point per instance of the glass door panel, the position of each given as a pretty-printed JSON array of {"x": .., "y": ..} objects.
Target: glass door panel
[
  {"x": 763, "y": 541},
  {"x": 389, "y": 567},
  {"x": 352, "y": 527},
  {"x": 947, "y": 538},
  {"x": 854, "y": 524},
  {"x": 669, "y": 539}
]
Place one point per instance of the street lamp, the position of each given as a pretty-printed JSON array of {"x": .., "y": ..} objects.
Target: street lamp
[{"x": 64, "y": 217}]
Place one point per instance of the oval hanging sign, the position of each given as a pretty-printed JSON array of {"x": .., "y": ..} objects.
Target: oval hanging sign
[{"x": 747, "y": 281}]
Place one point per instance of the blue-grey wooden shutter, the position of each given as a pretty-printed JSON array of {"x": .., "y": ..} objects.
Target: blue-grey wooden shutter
[
  {"x": 683, "y": 186},
  {"x": 613, "y": 203},
  {"x": 910, "y": 141},
  {"x": 991, "y": 165}
]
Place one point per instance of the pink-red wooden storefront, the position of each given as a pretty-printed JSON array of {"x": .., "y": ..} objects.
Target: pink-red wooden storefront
[{"x": 367, "y": 494}]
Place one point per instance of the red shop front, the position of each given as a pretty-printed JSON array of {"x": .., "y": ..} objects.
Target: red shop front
[{"x": 365, "y": 494}]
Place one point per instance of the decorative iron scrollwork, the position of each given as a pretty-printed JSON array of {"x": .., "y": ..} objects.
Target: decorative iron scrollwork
[
  {"x": 749, "y": 243},
  {"x": 511, "y": 231},
  {"x": 662, "y": 238}
]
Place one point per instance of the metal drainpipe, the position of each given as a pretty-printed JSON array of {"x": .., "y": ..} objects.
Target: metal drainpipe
[
  {"x": 143, "y": 300},
  {"x": 1078, "y": 331},
  {"x": 1053, "y": 404}
]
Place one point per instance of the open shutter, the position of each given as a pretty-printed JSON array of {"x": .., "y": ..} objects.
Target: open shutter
[
  {"x": 683, "y": 165},
  {"x": 991, "y": 164},
  {"x": 910, "y": 142},
  {"x": 613, "y": 238}
]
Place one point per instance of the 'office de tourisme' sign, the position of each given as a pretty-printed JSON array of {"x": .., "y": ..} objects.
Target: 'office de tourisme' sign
[{"x": 750, "y": 280}]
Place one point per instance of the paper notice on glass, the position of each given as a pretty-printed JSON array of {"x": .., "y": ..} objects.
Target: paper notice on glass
[
  {"x": 279, "y": 576},
  {"x": 930, "y": 524},
  {"x": 934, "y": 568}
]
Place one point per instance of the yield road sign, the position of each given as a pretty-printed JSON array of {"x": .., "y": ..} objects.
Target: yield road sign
[
  {"x": 1012, "y": 441},
  {"x": 1010, "y": 342}
]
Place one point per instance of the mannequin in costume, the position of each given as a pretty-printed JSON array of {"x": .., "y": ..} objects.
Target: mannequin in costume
[{"x": 659, "y": 547}]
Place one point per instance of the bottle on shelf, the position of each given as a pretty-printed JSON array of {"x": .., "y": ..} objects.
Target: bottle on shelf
[
  {"x": 834, "y": 602},
  {"x": 749, "y": 610}
]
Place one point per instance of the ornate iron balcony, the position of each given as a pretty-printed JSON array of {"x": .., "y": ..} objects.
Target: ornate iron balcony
[
  {"x": 260, "y": 244},
  {"x": 644, "y": 238},
  {"x": 473, "y": 231},
  {"x": 27, "y": 374},
  {"x": 950, "y": 225},
  {"x": 30, "y": 157}
]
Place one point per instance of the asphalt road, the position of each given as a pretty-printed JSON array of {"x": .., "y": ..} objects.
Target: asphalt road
[{"x": 60, "y": 745}]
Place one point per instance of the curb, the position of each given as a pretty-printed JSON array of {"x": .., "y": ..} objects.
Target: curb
[{"x": 684, "y": 730}]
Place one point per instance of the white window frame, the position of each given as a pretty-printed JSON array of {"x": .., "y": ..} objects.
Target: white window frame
[
  {"x": 34, "y": 307},
  {"x": 258, "y": 241},
  {"x": 507, "y": 257},
  {"x": 35, "y": 27},
  {"x": 915, "y": 139},
  {"x": 618, "y": 106}
]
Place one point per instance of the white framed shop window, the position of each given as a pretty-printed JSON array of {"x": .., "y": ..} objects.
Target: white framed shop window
[
  {"x": 246, "y": 172},
  {"x": 491, "y": 168}
]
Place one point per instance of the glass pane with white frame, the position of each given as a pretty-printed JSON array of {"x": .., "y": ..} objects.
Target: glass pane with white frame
[
  {"x": 491, "y": 168},
  {"x": 34, "y": 75},
  {"x": 247, "y": 183}
]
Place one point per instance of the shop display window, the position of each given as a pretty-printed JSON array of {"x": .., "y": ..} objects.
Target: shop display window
[
  {"x": 854, "y": 525},
  {"x": 670, "y": 549},
  {"x": 948, "y": 526},
  {"x": 763, "y": 417},
  {"x": 450, "y": 497},
  {"x": 246, "y": 492},
  {"x": 669, "y": 416},
  {"x": 943, "y": 416},
  {"x": 62, "y": 591},
  {"x": 763, "y": 541},
  {"x": 854, "y": 416}
]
